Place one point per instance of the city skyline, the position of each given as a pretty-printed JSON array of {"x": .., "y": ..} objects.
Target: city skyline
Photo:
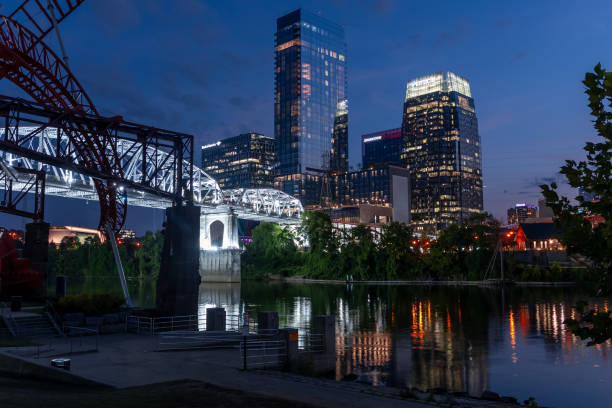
[{"x": 530, "y": 100}]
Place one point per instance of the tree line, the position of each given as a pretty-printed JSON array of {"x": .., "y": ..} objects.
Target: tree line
[
  {"x": 462, "y": 252},
  {"x": 91, "y": 258}
]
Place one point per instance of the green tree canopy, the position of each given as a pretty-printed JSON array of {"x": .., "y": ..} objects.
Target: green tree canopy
[{"x": 594, "y": 176}]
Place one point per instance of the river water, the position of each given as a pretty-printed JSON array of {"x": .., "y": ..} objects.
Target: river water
[{"x": 460, "y": 338}]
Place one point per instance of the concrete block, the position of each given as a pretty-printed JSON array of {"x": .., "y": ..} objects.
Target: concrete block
[
  {"x": 290, "y": 337},
  {"x": 267, "y": 322},
  {"x": 325, "y": 325},
  {"x": 215, "y": 319}
]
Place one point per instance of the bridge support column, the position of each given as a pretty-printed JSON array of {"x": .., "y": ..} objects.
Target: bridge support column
[
  {"x": 36, "y": 249},
  {"x": 179, "y": 280},
  {"x": 219, "y": 248}
]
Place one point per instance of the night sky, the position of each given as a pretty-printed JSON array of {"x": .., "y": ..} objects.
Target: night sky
[{"x": 206, "y": 68}]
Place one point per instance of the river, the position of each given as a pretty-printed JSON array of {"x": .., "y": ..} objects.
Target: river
[{"x": 460, "y": 338}]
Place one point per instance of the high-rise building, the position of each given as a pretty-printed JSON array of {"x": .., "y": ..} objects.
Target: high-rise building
[
  {"x": 385, "y": 186},
  {"x": 339, "y": 151},
  {"x": 521, "y": 212},
  {"x": 442, "y": 151},
  {"x": 243, "y": 161},
  {"x": 381, "y": 148},
  {"x": 310, "y": 79}
]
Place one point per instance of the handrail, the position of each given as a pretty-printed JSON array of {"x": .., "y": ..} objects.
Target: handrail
[
  {"x": 7, "y": 316},
  {"x": 53, "y": 317}
]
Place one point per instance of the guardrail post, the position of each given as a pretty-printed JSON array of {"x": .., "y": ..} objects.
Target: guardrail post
[
  {"x": 215, "y": 319},
  {"x": 244, "y": 352},
  {"x": 289, "y": 336},
  {"x": 267, "y": 322},
  {"x": 325, "y": 325}
]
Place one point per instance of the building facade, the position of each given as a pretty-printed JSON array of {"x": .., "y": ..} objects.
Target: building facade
[
  {"x": 442, "y": 151},
  {"x": 381, "y": 148},
  {"x": 243, "y": 161},
  {"x": 339, "y": 150},
  {"x": 310, "y": 79},
  {"x": 521, "y": 212},
  {"x": 386, "y": 186}
]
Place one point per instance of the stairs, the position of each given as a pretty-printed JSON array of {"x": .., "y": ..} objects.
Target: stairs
[{"x": 34, "y": 326}]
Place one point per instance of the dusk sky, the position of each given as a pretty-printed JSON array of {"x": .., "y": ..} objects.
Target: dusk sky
[{"x": 206, "y": 68}]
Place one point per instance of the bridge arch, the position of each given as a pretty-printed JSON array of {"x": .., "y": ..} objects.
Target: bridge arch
[
  {"x": 31, "y": 65},
  {"x": 216, "y": 233}
]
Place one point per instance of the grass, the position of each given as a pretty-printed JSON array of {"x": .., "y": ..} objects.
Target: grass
[{"x": 20, "y": 392}]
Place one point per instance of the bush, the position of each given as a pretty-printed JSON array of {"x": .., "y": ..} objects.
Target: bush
[{"x": 91, "y": 304}]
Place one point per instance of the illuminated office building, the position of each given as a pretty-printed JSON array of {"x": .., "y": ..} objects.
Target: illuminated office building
[
  {"x": 442, "y": 151},
  {"x": 521, "y": 212},
  {"x": 339, "y": 152},
  {"x": 310, "y": 80},
  {"x": 243, "y": 161},
  {"x": 381, "y": 148}
]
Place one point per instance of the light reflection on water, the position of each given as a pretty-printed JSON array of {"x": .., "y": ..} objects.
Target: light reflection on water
[{"x": 458, "y": 338}]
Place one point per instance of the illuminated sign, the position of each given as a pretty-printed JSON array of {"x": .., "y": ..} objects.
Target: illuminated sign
[
  {"x": 372, "y": 139},
  {"x": 211, "y": 145}
]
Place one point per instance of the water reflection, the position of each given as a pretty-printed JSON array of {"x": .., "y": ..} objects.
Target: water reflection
[{"x": 457, "y": 338}]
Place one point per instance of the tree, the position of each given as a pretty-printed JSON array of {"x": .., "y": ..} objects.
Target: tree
[
  {"x": 273, "y": 250},
  {"x": 594, "y": 176},
  {"x": 397, "y": 245},
  {"x": 323, "y": 245},
  {"x": 463, "y": 251}
]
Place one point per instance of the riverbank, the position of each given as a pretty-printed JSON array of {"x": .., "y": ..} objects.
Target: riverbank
[
  {"x": 492, "y": 282},
  {"x": 128, "y": 371}
]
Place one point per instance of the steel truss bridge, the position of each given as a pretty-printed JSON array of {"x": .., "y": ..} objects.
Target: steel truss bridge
[
  {"x": 35, "y": 146},
  {"x": 59, "y": 145}
]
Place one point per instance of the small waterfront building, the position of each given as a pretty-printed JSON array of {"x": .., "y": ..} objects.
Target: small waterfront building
[{"x": 539, "y": 236}]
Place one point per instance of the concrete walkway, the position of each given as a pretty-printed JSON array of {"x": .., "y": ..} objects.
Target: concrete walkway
[{"x": 127, "y": 360}]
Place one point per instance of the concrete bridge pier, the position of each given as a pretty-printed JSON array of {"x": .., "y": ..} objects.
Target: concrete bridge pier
[
  {"x": 36, "y": 249},
  {"x": 219, "y": 248},
  {"x": 179, "y": 281}
]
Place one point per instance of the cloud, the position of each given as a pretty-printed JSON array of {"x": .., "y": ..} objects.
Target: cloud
[
  {"x": 412, "y": 41},
  {"x": 519, "y": 56},
  {"x": 536, "y": 182},
  {"x": 382, "y": 6},
  {"x": 455, "y": 36},
  {"x": 116, "y": 15}
]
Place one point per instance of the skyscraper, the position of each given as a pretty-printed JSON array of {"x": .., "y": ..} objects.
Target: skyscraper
[
  {"x": 310, "y": 79},
  {"x": 442, "y": 151},
  {"x": 243, "y": 161},
  {"x": 382, "y": 148},
  {"x": 339, "y": 151}
]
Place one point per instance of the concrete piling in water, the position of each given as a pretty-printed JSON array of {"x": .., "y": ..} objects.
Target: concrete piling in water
[
  {"x": 267, "y": 322},
  {"x": 290, "y": 337},
  {"x": 325, "y": 326},
  {"x": 215, "y": 319}
]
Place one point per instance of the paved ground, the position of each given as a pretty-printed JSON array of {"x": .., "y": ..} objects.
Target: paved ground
[{"x": 127, "y": 360}]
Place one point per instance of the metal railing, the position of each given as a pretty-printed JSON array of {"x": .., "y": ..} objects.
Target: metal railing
[
  {"x": 77, "y": 340},
  {"x": 310, "y": 343},
  {"x": 262, "y": 352},
  {"x": 7, "y": 316},
  {"x": 198, "y": 340},
  {"x": 195, "y": 322}
]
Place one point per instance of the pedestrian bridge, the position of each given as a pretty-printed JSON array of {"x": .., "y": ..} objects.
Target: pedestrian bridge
[{"x": 219, "y": 208}]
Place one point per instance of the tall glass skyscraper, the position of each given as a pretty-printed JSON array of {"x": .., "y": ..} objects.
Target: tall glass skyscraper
[
  {"x": 442, "y": 151},
  {"x": 310, "y": 79},
  {"x": 339, "y": 152}
]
